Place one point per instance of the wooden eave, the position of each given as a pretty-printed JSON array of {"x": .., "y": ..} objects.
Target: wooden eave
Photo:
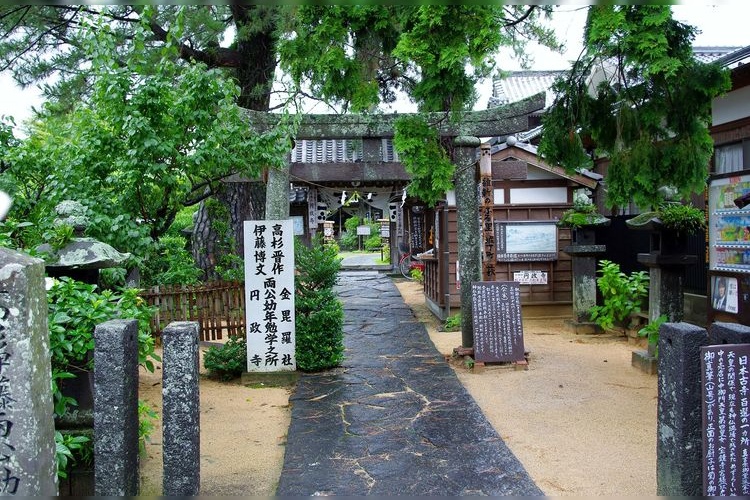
[{"x": 528, "y": 157}]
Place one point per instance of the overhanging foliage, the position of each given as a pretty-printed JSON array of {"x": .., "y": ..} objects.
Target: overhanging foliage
[{"x": 638, "y": 97}]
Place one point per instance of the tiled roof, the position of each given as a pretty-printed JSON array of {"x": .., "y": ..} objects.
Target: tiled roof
[
  {"x": 737, "y": 57},
  {"x": 338, "y": 151},
  {"x": 711, "y": 54},
  {"x": 519, "y": 85},
  {"x": 522, "y": 84}
]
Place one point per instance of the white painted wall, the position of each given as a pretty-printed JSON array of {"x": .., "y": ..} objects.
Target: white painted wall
[{"x": 732, "y": 106}]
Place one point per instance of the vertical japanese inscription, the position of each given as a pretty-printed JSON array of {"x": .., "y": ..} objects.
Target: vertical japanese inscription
[
  {"x": 269, "y": 294},
  {"x": 488, "y": 235},
  {"x": 8, "y": 481},
  {"x": 496, "y": 316},
  {"x": 726, "y": 419}
]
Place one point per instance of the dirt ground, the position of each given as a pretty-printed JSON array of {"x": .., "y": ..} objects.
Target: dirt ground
[{"x": 580, "y": 419}]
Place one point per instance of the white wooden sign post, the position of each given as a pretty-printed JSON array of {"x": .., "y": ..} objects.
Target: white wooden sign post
[{"x": 269, "y": 295}]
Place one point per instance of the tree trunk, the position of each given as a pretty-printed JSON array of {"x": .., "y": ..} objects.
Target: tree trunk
[
  {"x": 203, "y": 243},
  {"x": 243, "y": 201},
  {"x": 257, "y": 54},
  {"x": 254, "y": 74}
]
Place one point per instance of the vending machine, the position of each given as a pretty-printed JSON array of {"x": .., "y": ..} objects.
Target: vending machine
[{"x": 729, "y": 249}]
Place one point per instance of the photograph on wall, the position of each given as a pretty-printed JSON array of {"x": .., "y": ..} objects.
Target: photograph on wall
[{"x": 724, "y": 293}]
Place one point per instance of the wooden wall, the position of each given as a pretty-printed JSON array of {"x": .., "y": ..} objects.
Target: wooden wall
[{"x": 557, "y": 291}]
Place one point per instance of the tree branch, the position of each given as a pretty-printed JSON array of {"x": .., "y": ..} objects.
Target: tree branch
[{"x": 219, "y": 57}]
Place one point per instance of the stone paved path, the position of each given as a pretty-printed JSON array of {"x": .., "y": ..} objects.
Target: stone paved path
[{"x": 394, "y": 419}]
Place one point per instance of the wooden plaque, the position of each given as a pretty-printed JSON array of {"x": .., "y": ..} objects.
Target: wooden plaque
[
  {"x": 725, "y": 394},
  {"x": 496, "y": 315}
]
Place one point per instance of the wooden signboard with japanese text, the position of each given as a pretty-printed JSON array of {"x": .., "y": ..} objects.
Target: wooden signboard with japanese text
[
  {"x": 269, "y": 295},
  {"x": 725, "y": 387},
  {"x": 496, "y": 313}
]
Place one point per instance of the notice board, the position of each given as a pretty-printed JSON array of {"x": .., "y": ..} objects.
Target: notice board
[
  {"x": 725, "y": 388},
  {"x": 496, "y": 313}
]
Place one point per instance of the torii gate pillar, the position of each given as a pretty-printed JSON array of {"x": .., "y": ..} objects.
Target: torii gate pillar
[{"x": 469, "y": 247}]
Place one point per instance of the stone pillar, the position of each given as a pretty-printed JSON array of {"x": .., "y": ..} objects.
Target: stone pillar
[
  {"x": 27, "y": 428},
  {"x": 181, "y": 409},
  {"x": 679, "y": 469},
  {"x": 277, "y": 192},
  {"x": 469, "y": 244},
  {"x": 116, "y": 408},
  {"x": 728, "y": 333},
  {"x": 665, "y": 288},
  {"x": 584, "y": 255}
]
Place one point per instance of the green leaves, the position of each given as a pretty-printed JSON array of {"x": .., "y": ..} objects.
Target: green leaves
[
  {"x": 424, "y": 158},
  {"x": 622, "y": 294},
  {"x": 156, "y": 135},
  {"x": 228, "y": 361},
  {"x": 638, "y": 97},
  {"x": 358, "y": 56},
  {"x": 319, "y": 314},
  {"x": 67, "y": 446}
]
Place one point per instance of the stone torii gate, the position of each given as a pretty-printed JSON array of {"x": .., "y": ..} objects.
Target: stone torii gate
[{"x": 464, "y": 128}]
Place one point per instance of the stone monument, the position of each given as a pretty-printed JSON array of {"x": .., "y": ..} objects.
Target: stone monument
[{"x": 27, "y": 429}]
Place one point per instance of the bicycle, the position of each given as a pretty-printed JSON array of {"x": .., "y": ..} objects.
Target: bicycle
[{"x": 407, "y": 261}]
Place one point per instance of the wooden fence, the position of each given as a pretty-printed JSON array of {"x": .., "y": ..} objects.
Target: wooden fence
[{"x": 218, "y": 306}]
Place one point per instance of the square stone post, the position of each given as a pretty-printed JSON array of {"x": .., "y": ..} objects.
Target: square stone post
[
  {"x": 116, "y": 408},
  {"x": 181, "y": 409},
  {"x": 469, "y": 244},
  {"x": 679, "y": 469},
  {"x": 27, "y": 427}
]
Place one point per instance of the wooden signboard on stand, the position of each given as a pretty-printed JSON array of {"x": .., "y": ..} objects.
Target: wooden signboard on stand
[
  {"x": 498, "y": 330},
  {"x": 725, "y": 385}
]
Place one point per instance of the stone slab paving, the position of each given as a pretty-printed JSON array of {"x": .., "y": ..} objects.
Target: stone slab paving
[{"x": 394, "y": 419}]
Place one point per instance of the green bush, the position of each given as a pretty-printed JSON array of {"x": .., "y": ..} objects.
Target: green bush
[
  {"x": 621, "y": 294},
  {"x": 228, "y": 361},
  {"x": 452, "y": 323},
  {"x": 685, "y": 219},
  {"x": 182, "y": 220},
  {"x": 318, "y": 312},
  {"x": 74, "y": 310},
  {"x": 349, "y": 240},
  {"x": 417, "y": 275},
  {"x": 170, "y": 264},
  {"x": 651, "y": 331},
  {"x": 374, "y": 241}
]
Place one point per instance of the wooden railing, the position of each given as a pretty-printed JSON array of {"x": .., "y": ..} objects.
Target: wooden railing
[{"x": 219, "y": 307}]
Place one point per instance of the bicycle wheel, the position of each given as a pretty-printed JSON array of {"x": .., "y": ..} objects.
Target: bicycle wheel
[{"x": 405, "y": 266}]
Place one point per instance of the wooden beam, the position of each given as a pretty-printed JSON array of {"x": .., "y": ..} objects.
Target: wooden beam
[
  {"x": 491, "y": 122},
  {"x": 358, "y": 171}
]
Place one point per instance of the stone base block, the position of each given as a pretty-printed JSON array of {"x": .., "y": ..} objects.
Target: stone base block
[
  {"x": 645, "y": 362},
  {"x": 583, "y": 327},
  {"x": 270, "y": 379},
  {"x": 521, "y": 365}
]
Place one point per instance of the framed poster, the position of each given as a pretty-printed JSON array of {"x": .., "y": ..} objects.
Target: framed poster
[
  {"x": 724, "y": 293},
  {"x": 526, "y": 241}
]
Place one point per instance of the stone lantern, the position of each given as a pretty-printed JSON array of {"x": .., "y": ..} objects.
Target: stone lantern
[{"x": 82, "y": 258}]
